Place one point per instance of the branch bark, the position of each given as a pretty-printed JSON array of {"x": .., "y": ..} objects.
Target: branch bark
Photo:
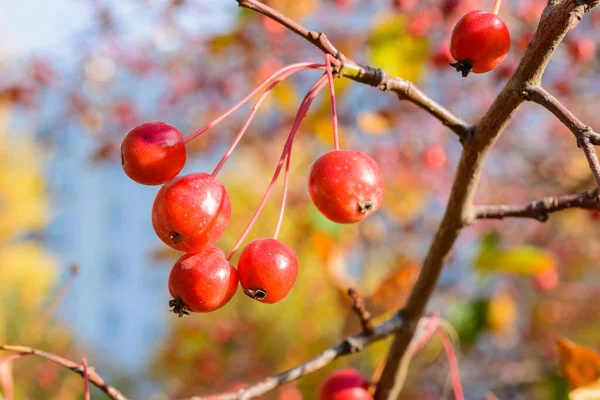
[
  {"x": 352, "y": 344},
  {"x": 378, "y": 78},
  {"x": 558, "y": 18},
  {"x": 93, "y": 376},
  {"x": 540, "y": 210}
]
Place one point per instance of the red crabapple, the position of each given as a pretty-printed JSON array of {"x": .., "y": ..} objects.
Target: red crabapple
[
  {"x": 345, "y": 384},
  {"x": 153, "y": 153},
  {"x": 346, "y": 185},
  {"x": 480, "y": 42},
  {"x": 267, "y": 269},
  {"x": 202, "y": 282},
  {"x": 191, "y": 212}
]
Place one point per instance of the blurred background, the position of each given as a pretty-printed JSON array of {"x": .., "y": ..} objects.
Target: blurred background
[{"x": 76, "y": 76}]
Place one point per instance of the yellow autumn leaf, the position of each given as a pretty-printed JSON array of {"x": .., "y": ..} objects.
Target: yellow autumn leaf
[
  {"x": 587, "y": 392},
  {"x": 526, "y": 260},
  {"x": 23, "y": 201},
  {"x": 373, "y": 123},
  {"x": 27, "y": 269},
  {"x": 501, "y": 312},
  {"x": 397, "y": 52}
]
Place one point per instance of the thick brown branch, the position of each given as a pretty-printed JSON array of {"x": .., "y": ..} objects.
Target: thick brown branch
[
  {"x": 586, "y": 137},
  {"x": 558, "y": 17},
  {"x": 360, "y": 308},
  {"x": 348, "y": 68},
  {"x": 352, "y": 344},
  {"x": 93, "y": 376},
  {"x": 540, "y": 210}
]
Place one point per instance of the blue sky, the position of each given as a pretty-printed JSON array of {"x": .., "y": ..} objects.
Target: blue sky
[{"x": 37, "y": 25}]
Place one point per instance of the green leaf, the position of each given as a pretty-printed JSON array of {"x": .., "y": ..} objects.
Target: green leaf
[{"x": 526, "y": 260}]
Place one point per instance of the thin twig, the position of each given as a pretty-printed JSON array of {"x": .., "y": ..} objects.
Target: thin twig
[
  {"x": 540, "y": 210},
  {"x": 360, "y": 308},
  {"x": 93, "y": 376},
  {"x": 378, "y": 78},
  {"x": 585, "y": 135},
  {"x": 352, "y": 344}
]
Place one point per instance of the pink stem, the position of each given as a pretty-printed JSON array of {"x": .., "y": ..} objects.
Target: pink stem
[
  {"x": 453, "y": 364},
  {"x": 286, "y": 148},
  {"x": 336, "y": 140},
  {"x": 496, "y": 8},
  {"x": 249, "y": 119},
  {"x": 215, "y": 122},
  {"x": 11, "y": 358},
  {"x": 431, "y": 328},
  {"x": 284, "y": 196},
  {"x": 86, "y": 379}
]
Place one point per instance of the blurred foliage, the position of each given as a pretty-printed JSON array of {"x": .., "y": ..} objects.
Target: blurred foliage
[
  {"x": 29, "y": 274},
  {"x": 510, "y": 289}
]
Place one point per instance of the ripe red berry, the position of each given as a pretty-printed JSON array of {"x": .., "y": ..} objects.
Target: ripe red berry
[
  {"x": 480, "y": 42},
  {"x": 582, "y": 49},
  {"x": 345, "y": 384},
  {"x": 267, "y": 269},
  {"x": 346, "y": 185},
  {"x": 153, "y": 153},
  {"x": 191, "y": 212},
  {"x": 202, "y": 282}
]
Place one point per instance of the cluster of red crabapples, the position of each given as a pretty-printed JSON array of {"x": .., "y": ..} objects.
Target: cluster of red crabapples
[
  {"x": 480, "y": 41},
  {"x": 191, "y": 212}
]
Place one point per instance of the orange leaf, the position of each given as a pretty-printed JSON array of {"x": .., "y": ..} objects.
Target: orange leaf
[
  {"x": 579, "y": 365},
  {"x": 390, "y": 295}
]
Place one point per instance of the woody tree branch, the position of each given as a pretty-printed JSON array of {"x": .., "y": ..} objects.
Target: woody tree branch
[
  {"x": 557, "y": 19},
  {"x": 378, "y": 78},
  {"x": 541, "y": 210},
  {"x": 585, "y": 135},
  {"x": 93, "y": 376}
]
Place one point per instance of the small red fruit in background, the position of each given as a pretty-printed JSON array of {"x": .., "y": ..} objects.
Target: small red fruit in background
[
  {"x": 202, "y": 282},
  {"x": 346, "y": 185},
  {"x": 153, "y": 153},
  {"x": 191, "y": 212},
  {"x": 546, "y": 280},
  {"x": 480, "y": 42},
  {"x": 268, "y": 270},
  {"x": 435, "y": 157},
  {"x": 582, "y": 49},
  {"x": 345, "y": 384},
  {"x": 441, "y": 56}
]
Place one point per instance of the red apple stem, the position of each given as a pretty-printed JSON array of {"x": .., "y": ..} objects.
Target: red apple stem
[
  {"x": 453, "y": 364},
  {"x": 86, "y": 380},
  {"x": 336, "y": 140},
  {"x": 496, "y": 8},
  {"x": 284, "y": 196},
  {"x": 216, "y": 121},
  {"x": 313, "y": 91},
  {"x": 11, "y": 358},
  {"x": 255, "y": 108}
]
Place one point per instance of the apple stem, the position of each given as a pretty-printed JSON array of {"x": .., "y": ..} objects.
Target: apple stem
[
  {"x": 336, "y": 140},
  {"x": 294, "y": 67},
  {"x": 284, "y": 196},
  {"x": 249, "y": 119},
  {"x": 86, "y": 379},
  {"x": 304, "y": 106},
  {"x": 452, "y": 363},
  {"x": 496, "y": 8}
]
